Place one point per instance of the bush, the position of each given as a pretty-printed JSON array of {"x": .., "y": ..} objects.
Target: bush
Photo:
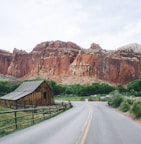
[
  {"x": 116, "y": 100},
  {"x": 124, "y": 106},
  {"x": 134, "y": 85},
  {"x": 130, "y": 101},
  {"x": 136, "y": 109}
]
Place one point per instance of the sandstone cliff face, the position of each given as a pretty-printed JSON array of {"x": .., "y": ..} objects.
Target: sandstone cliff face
[
  {"x": 5, "y": 60},
  {"x": 51, "y": 60},
  {"x": 66, "y": 62},
  {"x": 118, "y": 67},
  {"x": 19, "y": 64}
]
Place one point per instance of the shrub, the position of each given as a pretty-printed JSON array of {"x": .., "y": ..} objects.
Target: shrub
[
  {"x": 124, "y": 106},
  {"x": 136, "y": 109},
  {"x": 130, "y": 101},
  {"x": 134, "y": 85},
  {"x": 116, "y": 100}
]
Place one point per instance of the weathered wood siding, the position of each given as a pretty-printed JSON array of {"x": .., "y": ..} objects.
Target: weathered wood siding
[
  {"x": 7, "y": 103},
  {"x": 42, "y": 96}
]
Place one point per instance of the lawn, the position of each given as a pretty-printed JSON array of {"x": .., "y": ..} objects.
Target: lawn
[
  {"x": 8, "y": 119},
  {"x": 77, "y": 98},
  {"x": 19, "y": 119}
]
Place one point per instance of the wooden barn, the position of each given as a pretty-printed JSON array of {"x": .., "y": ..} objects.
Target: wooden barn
[{"x": 33, "y": 93}]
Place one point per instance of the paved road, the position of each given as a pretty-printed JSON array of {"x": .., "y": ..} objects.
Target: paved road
[
  {"x": 66, "y": 128},
  {"x": 110, "y": 127},
  {"x": 86, "y": 123}
]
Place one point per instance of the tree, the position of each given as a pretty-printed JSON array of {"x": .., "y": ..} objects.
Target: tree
[
  {"x": 83, "y": 91},
  {"x": 105, "y": 88},
  {"x": 134, "y": 85},
  {"x": 121, "y": 89},
  {"x": 6, "y": 87}
]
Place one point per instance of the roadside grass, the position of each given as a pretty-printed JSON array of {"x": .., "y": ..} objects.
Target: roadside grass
[
  {"x": 2, "y": 108},
  {"x": 68, "y": 98},
  {"x": 78, "y": 98},
  {"x": 24, "y": 119},
  {"x": 9, "y": 119}
]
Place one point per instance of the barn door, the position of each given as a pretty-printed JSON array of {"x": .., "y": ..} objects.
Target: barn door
[{"x": 44, "y": 98}]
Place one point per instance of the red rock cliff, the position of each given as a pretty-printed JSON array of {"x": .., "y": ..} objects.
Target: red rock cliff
[
  {"x": 5, "y": 60},
  {"x": 119, "y": 67},
  {"x": 66, "y": 62}
]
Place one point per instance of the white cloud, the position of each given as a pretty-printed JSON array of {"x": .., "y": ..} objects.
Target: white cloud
[{"x": 26, "y": 23}]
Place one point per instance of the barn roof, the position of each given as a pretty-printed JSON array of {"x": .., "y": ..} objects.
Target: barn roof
[{"x": 24, "y": 89}]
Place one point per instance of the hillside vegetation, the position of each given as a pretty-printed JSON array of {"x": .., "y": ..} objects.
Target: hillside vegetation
[
  {"x": 126, "y": 104},
  {"x": 58, "y": 89},
  {"x": 132, "y": 88}
]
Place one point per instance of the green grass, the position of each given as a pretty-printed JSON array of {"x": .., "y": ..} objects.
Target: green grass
[
  {"x": 77, "y": 98},
  {"x": 8, "y": 119},
  {"x": 24, "y": 119},
  {"x": 2, "y": 108},
  {"x": 67, "y": 98}
]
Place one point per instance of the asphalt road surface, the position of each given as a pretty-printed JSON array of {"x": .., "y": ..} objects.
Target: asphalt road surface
[
  {"x": 111, "y": 127},
  {"x": 85, "y": 123}
]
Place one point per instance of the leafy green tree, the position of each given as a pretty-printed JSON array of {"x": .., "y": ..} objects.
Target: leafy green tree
[
  {"x": 134, "y": 85},
  {"x": 51, "y": 83},
  {"x": 121, "y": 89},
  {"x": 96, "y": 88},
  {"x": 105, "y": 88},
  {"x": 6, "y": 87},
  {"x": 75, "y": 89},
  {"x": 68, "y": 90},
  {"x": 83, "y": 91}
]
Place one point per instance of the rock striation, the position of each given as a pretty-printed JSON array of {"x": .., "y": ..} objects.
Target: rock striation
[
  {"x": 68, "y": 63},
  {"x": 5, "y": 60}
]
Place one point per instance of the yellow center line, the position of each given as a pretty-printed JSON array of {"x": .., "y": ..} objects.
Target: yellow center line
[
  {"x": 86, "y": 126},
  {"x": 86, "y": 123}
]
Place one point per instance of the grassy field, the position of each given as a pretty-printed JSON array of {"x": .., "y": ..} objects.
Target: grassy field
[
  {"x": 8, "y": 119},
  {"x": 9, "y": 122},
  {"x": 4, "y": 108},
  {"x": 77, "y": 98}
]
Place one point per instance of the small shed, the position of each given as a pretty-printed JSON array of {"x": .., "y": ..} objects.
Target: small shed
[{"x": 34, "y": 93}]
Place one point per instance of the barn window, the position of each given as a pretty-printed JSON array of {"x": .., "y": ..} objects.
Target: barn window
[{"x": 44, "y": 95}]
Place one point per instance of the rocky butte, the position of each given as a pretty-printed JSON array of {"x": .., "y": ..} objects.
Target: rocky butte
[{"x": 68, "y": 63}]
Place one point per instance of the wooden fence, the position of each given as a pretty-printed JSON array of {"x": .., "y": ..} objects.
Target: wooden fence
[{"x": 18, "y": 119}]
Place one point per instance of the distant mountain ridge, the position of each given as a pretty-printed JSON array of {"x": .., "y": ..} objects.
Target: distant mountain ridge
[
  {"x": 68, "y": 63},
  {"x": 134, "y": 47}
]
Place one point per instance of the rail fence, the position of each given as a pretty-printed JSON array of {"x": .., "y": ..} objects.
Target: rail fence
[{"x": 21, "y": 118}]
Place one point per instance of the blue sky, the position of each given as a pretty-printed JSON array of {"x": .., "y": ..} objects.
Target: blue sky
[{"x": 110, "y": 23}]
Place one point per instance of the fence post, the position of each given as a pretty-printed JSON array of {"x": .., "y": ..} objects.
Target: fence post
[
  {"x": 15, "y": 115},
  {"x": 70, "y": 104},
  {"x": 33, "y": 115},
  {"x": 43, "y": 113},
  {"x": 49, "y": 111}
]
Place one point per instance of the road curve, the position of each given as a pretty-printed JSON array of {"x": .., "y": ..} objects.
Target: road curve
[
  {"x": 111, "y": 127},
  {"x": 66, "y": 128},
  {"x": 85, "y": 123}
]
